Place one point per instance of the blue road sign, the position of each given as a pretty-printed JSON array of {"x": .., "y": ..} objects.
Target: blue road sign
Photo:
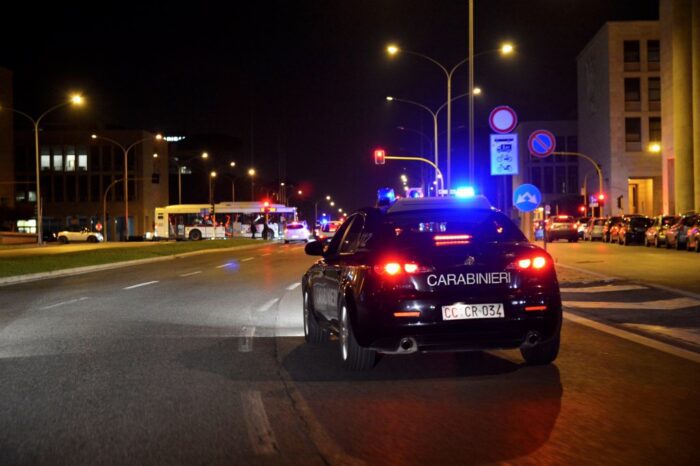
[
  {"x": 527, "y": 197},
  {"x": 541, "y": 143}
]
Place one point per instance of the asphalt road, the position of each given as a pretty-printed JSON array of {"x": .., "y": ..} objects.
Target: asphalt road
[{"x": 200, "y": 360}]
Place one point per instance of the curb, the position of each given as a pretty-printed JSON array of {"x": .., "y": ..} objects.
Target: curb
[{"x": 32, "y": 277}]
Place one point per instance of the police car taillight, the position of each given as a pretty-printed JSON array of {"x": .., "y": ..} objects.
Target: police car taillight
[
  {"x": 536, "y": 263},
  {"x": 398, "y": 268}
]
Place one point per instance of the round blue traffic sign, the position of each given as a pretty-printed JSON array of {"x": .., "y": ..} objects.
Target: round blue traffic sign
[
  {"x": 527, "y": 197},
  {"x": 541, "y": 143}
]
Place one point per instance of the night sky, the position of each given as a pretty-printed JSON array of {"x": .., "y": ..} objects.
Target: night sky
[{"x": 311, "y": 76}]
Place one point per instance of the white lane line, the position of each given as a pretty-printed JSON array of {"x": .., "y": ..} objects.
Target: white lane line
[
  {"x": 649, "y": 342},
  {"x": 294, "y": 286},
  {"x": 662, "y": 304},
  {"x": 266, "y": 254},
  {"x": 261, "y": 436},
  {"x": 247, "y": 259},
  {"x": 603, "y": 289},
  {"x": 266, "y": 307},
  {"x": 139, "y": 285},
  {"x": 224, "y": 265},
  {"x": 63, "y": 303},
  {"x": 245, "y": 342},
  {"x": 190, "y": 273}
]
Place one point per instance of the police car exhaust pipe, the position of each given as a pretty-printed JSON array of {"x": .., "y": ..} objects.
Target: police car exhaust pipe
[
  {"x": 407, "y": 345},
  {"x": 531, "y": 339}
]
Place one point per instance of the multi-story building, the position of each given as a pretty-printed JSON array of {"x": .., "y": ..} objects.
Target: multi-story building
[
  {"x": 81, "y": 175},
  {"x": 556, "y": 176},
  {"x": 619, "y": 113},
  {"x": 7, "y": 195}
]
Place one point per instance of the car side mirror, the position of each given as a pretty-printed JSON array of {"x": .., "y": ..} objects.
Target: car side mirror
[{"x": 314, "y": 248}]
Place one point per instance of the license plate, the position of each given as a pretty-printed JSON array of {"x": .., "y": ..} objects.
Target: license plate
[{"x": 473, "y": 311}]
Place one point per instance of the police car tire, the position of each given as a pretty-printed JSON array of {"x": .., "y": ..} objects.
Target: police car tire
[
  {"x": 357, "y": 357},
  {"x": 544, "y": 353},
  {"x": 313, "y": 333}
]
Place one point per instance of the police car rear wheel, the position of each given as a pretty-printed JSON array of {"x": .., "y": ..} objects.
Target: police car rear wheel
[
  {"x": 353, "y": 355},
  {"x": 543, "y": 353},
  {"x": 313, "y": 333}
]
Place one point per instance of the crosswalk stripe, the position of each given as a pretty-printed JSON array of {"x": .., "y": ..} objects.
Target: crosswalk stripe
[
  {"x": 662, "y": 304},
  {"x": 603, "y": 289},
  {"x": 690, "y": 335}
]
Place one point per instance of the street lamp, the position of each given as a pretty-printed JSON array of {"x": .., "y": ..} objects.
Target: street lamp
[
  {"x": 203, "y": 156},
  {"x": 654, "y": 147},
  {"x": 251, "y": 173},
  {"x": 126, "y": 149},
  {"x": 393, "y": 50},
  {"x": 75, "y": 100},
  {"x": 212, "y": 177}
]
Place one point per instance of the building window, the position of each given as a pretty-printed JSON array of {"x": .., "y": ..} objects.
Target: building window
[
  {"x": 70, "y": 159},
  {"x": 560, "y": 179},
  {"x": 653, "y": 55},
  {"x": 82, "y": 159},
  {"x": 631, "y": 55},
  {"x": 58, "y": 159},
  {"x": 31, "y": 196},
  {"x": 20, "y": 196},
  {"x": 45, "y": 162},
  {"x": 548, "y": 179},
  {"x": 633, "y": 134},
  {"x": 655, "y": 94},
  {"x": 655, "y": 129},
  {"x": 633, "y": 95}
]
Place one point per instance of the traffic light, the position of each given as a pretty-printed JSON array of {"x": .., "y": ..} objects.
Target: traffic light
[
  {"x": 601, "y": 199},
  {"x": 582, "y": 209},
  {"x": 379, "y": 157}
]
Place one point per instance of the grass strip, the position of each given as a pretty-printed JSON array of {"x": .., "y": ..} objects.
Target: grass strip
[{"x": 21, "y": 265}]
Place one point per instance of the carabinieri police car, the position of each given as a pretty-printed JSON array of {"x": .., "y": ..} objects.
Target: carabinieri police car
[{"x": 431, "y": 274}]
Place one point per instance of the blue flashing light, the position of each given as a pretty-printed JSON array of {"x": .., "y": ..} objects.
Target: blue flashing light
[
  {"x": 385, "y": 196},
  {"x": 465, "y": 192}
]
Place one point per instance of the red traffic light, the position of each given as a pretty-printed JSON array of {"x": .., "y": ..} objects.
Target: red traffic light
[
  {"x": 379, "y": 156},
  {"x": 582, "y": 208},
  {"x": 601, "y": 197}
]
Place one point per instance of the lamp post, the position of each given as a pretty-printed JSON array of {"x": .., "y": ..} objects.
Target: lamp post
[
  {"x": 251, "y": 173},
  {"x": 126, "y": 150},
  {"x": 327, "y": 198},
  {"x": 179, "y": 166},
  {"x": 76, "y": 100},
  {"x": 212, "y": 178},
  {"x": 393, "y": 50}
]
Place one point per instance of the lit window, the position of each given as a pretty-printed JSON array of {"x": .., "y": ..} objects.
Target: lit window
[
  {"x": 46, "y": 162},
  {"x": 70, "y": 159},
  {"x": 82, "y": 162}
]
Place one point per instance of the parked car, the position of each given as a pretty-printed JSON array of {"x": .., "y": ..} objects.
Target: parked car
[
  {"x": 296, "y": 231},
  {"x": 594, "y": 229},
  {"x": 327, "y": 230},
  {"x": 677, "y": 234},
  {"x": 656, "y": 233},
  {"x": 693, "y": 242},
  {"x": 562, "y": 227},
  {"x": 76, "y": 233},
  {"x": 632, "y": 230},
  {"x": 581, "y": 225},
  {"x": 610, "y": 223}
]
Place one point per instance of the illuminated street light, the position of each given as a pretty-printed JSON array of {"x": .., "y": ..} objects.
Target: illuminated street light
[
  {"x": 212, "y": 176},
  {"x": 332, "y": 203},
  {"x": 300, "y": 192},
  {"x": 654, "y": 147},
  {"x": 328, "y": 198},
  {"x": 340, "y": 210},
  {"x": 477, "y": 91},
  {"x": 389, "y": 98},
  {"x": 507, "y": 48},
  {"x": 155, "y": 155},
  {"x": 205, "y": 155},
  {"x": 404, "y": 178},
  {"x": 125, "y": 150},
  {"x": 232, "y": 164},
  {"x": 392, "y": 49},
  {"x": 251, "y": 173},
  {"x": 75, "y": 100}
]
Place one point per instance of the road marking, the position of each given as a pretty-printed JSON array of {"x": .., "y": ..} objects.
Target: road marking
[
  {"x": 261, "y": 436},
  {"x": 247, "y": 259},
  {"x": 294, "y": 286},
  {"x": 224, "y": 265},
  {"x": 624, "y": 334},
  {"x": 266, "y": 254},
  {"x": 140, "y": 285},
  {"x": 663, "y": 304},
  {"x": 63, "y": 303},
  {"x": 245, "y": 343},
  {"x": 190, "y": 274},
  {"x": 689, "y": 335},
  {"x": 266, "y": 307},
  {"x": 579, "y": 269},
  {"x": 603, "y": 289}
]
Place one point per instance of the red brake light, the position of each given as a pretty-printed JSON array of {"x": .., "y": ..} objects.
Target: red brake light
[
  {"x": 449, "y": 240},
  {"x": 397, "y": 268},
  {"x": 392, "y": 268},
  {"x": 537, "y": 262},
  {"x": 524, "y": 263},
  {"x": 410, "y": 268}
]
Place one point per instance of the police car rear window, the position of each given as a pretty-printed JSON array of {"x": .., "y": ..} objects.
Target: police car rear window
[{"x": 477, "y": 225}]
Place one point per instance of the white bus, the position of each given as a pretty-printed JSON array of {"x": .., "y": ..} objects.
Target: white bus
[{"x": 227, "y": 220}]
